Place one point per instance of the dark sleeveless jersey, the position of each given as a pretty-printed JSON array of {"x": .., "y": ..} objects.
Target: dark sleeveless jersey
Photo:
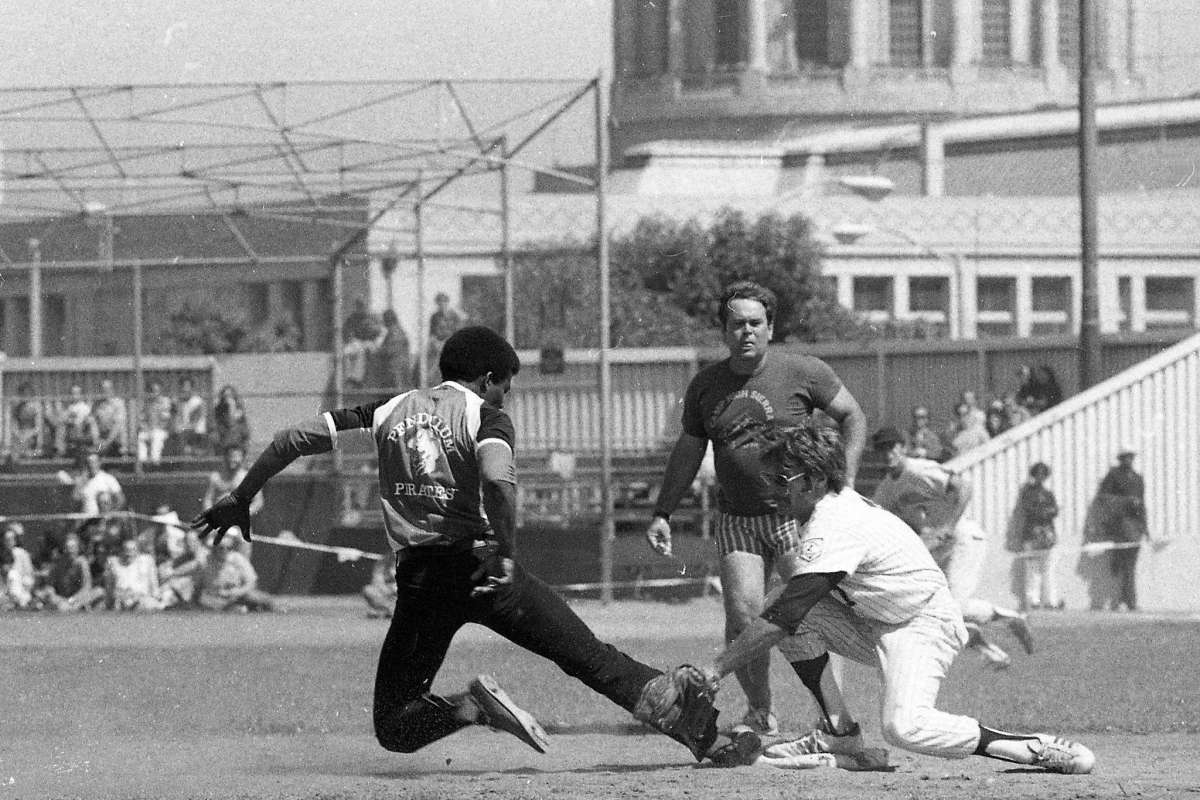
[{"x": 426, "y": 440}]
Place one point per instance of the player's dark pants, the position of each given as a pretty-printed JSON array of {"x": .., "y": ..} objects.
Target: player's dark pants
[
  {"x": 434, "y": 602},
  {"x": 1124, "y": 569}
]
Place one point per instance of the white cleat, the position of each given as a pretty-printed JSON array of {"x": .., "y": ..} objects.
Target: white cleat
[{"x": 1056, "y": 754}]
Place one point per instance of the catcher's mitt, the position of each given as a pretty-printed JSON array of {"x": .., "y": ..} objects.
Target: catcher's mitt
[{"x": 680, "y": 704}]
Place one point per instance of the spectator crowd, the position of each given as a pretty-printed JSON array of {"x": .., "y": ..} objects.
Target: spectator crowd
[
  {"x": 972, "y": 424},
  {"x": 177, "y": 423},
  {"x": 103, "y": 558}
]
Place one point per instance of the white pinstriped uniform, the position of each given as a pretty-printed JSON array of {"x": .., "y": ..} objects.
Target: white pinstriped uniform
[
  {"x": 893, "y": 610},
  {"x": 923, "y": 483}
]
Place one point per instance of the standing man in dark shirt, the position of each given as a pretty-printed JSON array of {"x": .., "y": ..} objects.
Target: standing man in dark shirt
[
  {"x": 447, "y": 481},
  {"x": 1125, "y": 494},
  {"x": 727, "y": 404}
]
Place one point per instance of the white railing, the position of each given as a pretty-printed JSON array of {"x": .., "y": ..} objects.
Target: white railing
[{"x": 1152, "y": 408}]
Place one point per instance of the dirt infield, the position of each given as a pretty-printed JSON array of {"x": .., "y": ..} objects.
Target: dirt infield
[{"x": 277, "y": 706}]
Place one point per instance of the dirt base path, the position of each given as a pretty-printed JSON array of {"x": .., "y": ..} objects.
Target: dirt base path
[{"x": 482, "y": 764}]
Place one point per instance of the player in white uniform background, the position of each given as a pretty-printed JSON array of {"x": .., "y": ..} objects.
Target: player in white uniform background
[
  {"x": 869, "y": 590},
  {"x": 932, "y": 500}
]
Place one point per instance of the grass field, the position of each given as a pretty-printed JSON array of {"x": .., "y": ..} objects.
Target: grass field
[{"x": 278, "y": 706}]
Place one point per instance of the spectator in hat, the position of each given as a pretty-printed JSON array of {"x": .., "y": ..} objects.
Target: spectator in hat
[
  {"x": 1037, "y": 508},
  {"x": 1123, "y": 492}
]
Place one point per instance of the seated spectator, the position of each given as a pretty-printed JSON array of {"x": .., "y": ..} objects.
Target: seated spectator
[
  {"x": 228, "y": 582},
  {"x": 996, "y": 421},
  {"x": 158, "y": 411},
  {"x": 230, "y": 426},
  {"x": 69, "y": 584},
  {"x": 921, "y": 440},
  {"x": 1047, "y": 392},
  {"x": 97, "y": 492},
  {"x": 380, "y": 592},
  {"x": 112, "y": 422},
  {"x": 978, "y": 415},
  {"x": 191, "y": 419},
  {"x": 28, "y": 439},
  {"x": 1016, "y": 412},
  {"x": 968, "y": 431},
  {"x": 77, "y": 426},
  {"x": 16, "y": 567},
  {"x": 167, "y": 531},
  {"x": 224, "y": 481},
  {"x": 179, "y": 569},
  {"x": 1038, "y": 389},
  {"x": 131, "y": 580}
]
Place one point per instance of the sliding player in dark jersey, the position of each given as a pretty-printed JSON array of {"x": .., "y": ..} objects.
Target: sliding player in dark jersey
[{"x": 447, "y": 482}]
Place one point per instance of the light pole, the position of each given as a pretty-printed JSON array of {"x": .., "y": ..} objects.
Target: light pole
[{"x": 101, "y": 215}]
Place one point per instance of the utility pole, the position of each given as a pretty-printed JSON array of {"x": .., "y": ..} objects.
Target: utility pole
[{"x": 1090, "y": 362}]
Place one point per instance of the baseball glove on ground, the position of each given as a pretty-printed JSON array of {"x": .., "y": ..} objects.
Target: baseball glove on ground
[{"x": 680, "y": 704}]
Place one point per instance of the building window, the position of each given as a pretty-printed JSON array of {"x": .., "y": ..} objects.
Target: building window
[
  {"x": 1170, "y": 303},
  {"x": 1068, "y": 33},
  {"x": 929, "y": 302},
  {"x": 997, "y": 304},
  {"x": 1051, "y": 306},
  {"x": 996, "y": 22},
  {"x": 729, "y": 37},
  {"x": 873, "y": 297},
  {"x": 929, "y": 295},
  {"x": 14, "y": 326},
  {"x": 1125, "y": 303},
  {"x": 812, "y": 32},
  {"x": 650, "y": 46},
  {"x": 921, "y": 32}
]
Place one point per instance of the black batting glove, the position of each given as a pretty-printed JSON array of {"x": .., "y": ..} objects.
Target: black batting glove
[{"x": 229, "y": 512}]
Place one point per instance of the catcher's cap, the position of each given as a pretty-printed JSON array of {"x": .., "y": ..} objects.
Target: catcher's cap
[
  {"x": 1039, "y": 470},
  {"x": 886, "y": 438},
  {"x": 1126, "y": 452}
]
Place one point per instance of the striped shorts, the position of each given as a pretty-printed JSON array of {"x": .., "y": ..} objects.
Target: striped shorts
[{"x": 768, "y": 536}]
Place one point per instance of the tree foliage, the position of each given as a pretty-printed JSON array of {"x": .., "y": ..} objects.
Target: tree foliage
[
  {"x": 207, "y": 328},
  {"x": 666, "y": 277}
]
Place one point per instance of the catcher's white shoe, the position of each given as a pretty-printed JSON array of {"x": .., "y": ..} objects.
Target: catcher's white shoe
[
  {"x": 820, "y": 739},
  {"x": 760, "y": 720},
  {"x": 500, "y": 713},
  {"x": 1059, "y": 755}
]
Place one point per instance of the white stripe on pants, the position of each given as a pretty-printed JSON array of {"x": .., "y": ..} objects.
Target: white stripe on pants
[{"x": 913, "y": 657}]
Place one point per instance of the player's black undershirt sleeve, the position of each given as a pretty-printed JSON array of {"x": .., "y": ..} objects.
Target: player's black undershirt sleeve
[
  {"x": 306, "y": 439},
  {"x": 799, "y": 596}
]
